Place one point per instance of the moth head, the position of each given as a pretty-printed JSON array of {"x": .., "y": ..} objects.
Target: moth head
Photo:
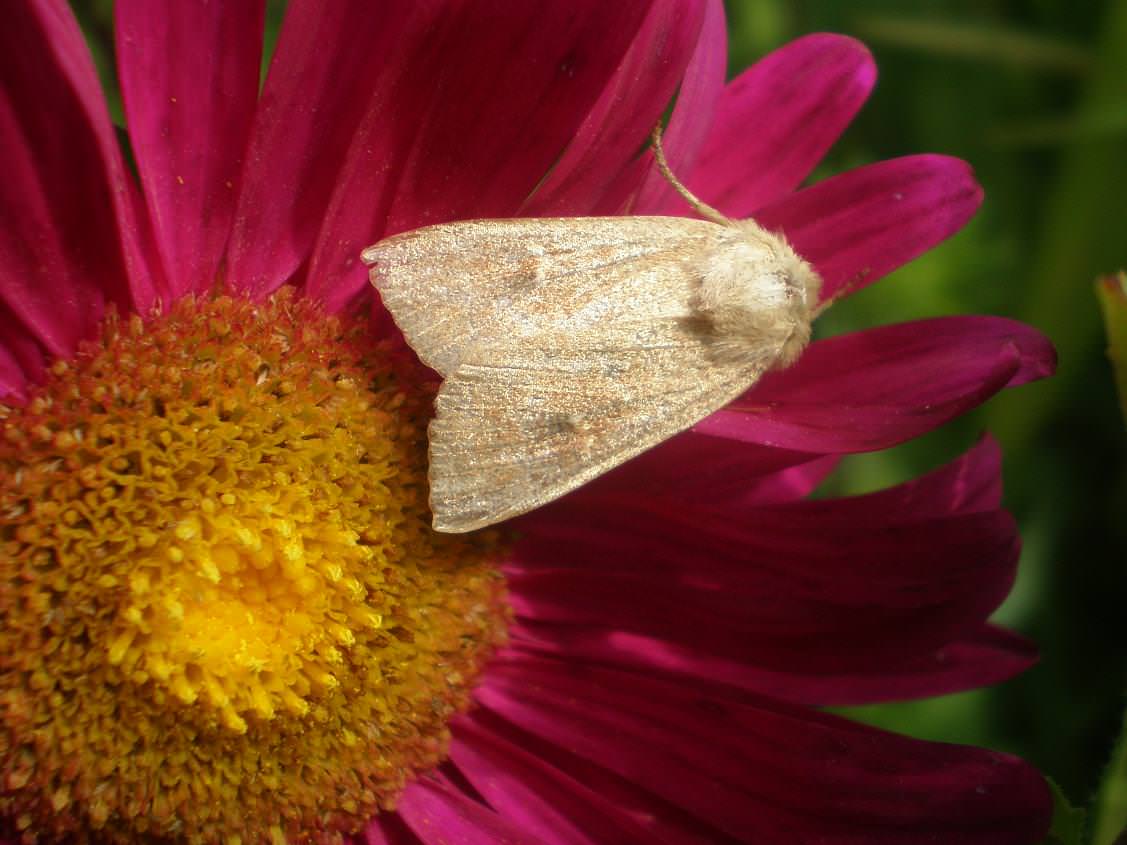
[{"x": 758, "y": 296}]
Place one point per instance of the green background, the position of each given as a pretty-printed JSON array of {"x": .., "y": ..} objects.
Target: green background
[{"x": 1034, "y": 94}]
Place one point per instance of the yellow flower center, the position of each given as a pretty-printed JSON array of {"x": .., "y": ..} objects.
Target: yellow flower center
[{"x": 223, "y": 614}]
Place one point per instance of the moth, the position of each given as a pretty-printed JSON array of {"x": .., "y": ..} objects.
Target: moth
[{"x": 569, "y": 345}]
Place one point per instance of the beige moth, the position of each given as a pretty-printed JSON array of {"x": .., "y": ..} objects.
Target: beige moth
[{"x": 569, "y": 345}]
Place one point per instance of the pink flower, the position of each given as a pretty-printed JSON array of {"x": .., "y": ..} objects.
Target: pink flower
[{"x": 676, "y": 621}]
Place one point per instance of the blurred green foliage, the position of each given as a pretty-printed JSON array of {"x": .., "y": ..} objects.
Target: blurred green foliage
[
  {"x": 1069, "y": 822},
  {"x": 1112, "y": 293},
  {"x": 1034, "y": 94},
  {"x": 1110, "y": 806}
]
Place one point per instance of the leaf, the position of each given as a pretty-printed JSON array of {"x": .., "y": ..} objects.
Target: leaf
[
  {"x": 1061, "y": 130},
  {"x": 1110, "y": 809},
  {"x": 977, "y": 42},
  {"x": 1068, "y": 821},
  {"x": 1112, "y": 293},
  {"x": 1081, "y": 214}
]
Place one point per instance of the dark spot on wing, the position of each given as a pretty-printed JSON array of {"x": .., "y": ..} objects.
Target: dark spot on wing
[{"x": 560, "y": 424}]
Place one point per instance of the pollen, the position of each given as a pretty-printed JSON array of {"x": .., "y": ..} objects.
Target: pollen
[{"x": 224, "y": 617}]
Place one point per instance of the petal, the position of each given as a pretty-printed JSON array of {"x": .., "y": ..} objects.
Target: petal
[
  {"x": 694, "y": 467},
  {"x": 683, "y": 137},
  {"x": 624, "y": 805},
  {"x": 21, "y": 358},
  {"x": 189, "y": 79},
  {"x": 875, "y": 388},
  {"x": 628, "y": 107},
  {"x": 12, "y": 378},
  {"x": 778, "y": 119},
  {"x": 970, "y": 484},
  {"x": 860, "y": 225},
  {"x": 788, "y": 485},
  {"x": 768, "y": 589},
  {"x": 464, "y": 135},
  {"x": 491, "y": 134},
  {"x": 40, "y": 287},
  {"x": 891, "y": 576},
  {"x": 980, "y": 658},
  {"x": 532, "y": 794},
  {"x": 469, "y": 138},
  {"x": 69, "y": 237},
  {"x": 311, "y": 104},
  {"x": 441, "y": 815},
  {"x": 767, "y": 772},
  {"x": 388, "y": 829}
]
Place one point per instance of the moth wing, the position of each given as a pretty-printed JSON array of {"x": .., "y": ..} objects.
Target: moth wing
[
  {"x": 520, "y": 426},
  {"x": 480, "y": 283}
]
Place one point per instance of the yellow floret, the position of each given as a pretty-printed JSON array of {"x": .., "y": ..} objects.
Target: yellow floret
[{"x": 225, "y": 616}]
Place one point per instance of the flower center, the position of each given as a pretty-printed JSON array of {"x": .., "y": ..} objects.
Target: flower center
[{"x": 223, "y": 614}]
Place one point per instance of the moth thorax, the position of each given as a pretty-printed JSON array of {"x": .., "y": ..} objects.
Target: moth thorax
[{"x": 757, "y": 296}]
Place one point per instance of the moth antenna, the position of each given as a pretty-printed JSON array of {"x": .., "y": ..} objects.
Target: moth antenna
[
  {"x": 825, "y": 306},
  {"x": 704, "y": 209},
  {"x": 849, "y": 287}
]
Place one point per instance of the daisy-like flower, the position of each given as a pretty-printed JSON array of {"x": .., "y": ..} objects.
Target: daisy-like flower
[{"x": 224, "y": 615}]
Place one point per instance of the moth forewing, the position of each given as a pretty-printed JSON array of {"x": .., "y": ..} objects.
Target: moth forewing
[
  {"x": 569, "y": 345},
  {"x": 516, "y": 430},
  {"x": 457, "y": 285}
]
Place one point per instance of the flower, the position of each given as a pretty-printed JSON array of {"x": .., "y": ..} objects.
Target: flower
[{"x": 210, "y": 497}]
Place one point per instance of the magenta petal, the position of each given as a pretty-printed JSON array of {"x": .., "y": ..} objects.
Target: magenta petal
[
  {"x": 970, "y": 484},
  {"x": 776, "y": 121},
  {"x": 311, "y": 104},
  {"x": 727, "y": 476},
  {"x": 658, "y": 819},
  {"x": 189, "y": 80},
  {"x": 388, "y": 829},
  {"x": 689, "y": 123},
  {"x": 21, "y": 358},
  {"x": 891, "y": 576},
  {"x": 68, "y": 232},
  {"x": 710, "y": 471},
  {"x": 478, "y": 110},
  {"x": 528, "y": 791},
  {"x": 619, "y": 122},
  {"x": 40, "y": 287},
  {"x": 515, "y": 91},
  {"x": 691, "y": 467},
  {"x": 980, "y": 658},
  {"x": 441, "y": 815},
  {"x": 770, "y": 773},
  {"x": 763, "y": 592},
  {"x": 879, "y": 387},
  {"x": 860, "y": 225},
  {"x": 789, "y": 484},
  {"x": 13, "y": 381}
]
